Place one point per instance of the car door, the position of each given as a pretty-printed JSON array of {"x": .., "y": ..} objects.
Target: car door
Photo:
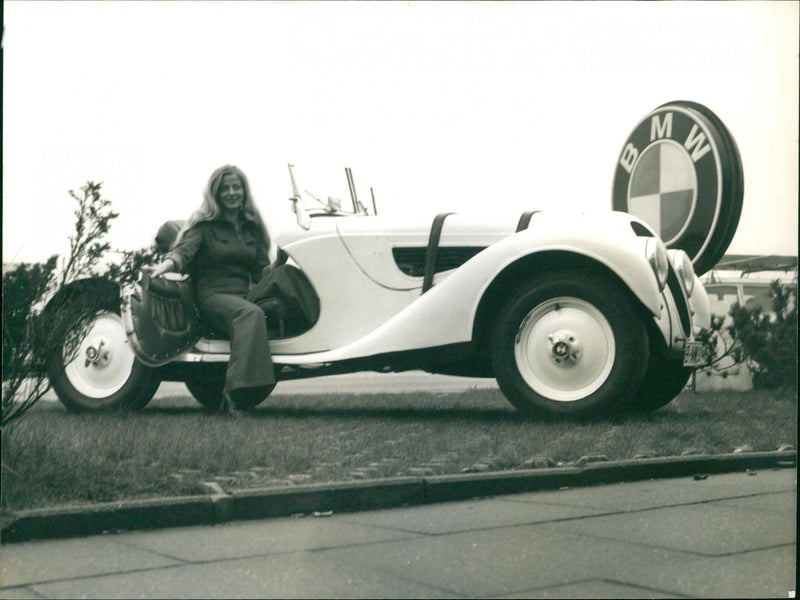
[{"x": 160, "y": 317}]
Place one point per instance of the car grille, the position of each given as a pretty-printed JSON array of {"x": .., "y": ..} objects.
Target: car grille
[
  {"x": 640, "y": 230},
  {"x": 680, "y": 301}
]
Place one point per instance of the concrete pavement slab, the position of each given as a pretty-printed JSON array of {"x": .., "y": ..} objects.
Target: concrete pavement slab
[
  {"x": 629, "y": 496},
  {"x": 293, "y": 575},
  {"x": 784, "y": 503},
  {"x": 84, "y": 557},
  {"x": 591, "y": 588},
  {"x": 761, "y": 574},
  {"x": 22, "y": 593},
  {"x": 503, "y": 560},
  {"x": 245, "y": 539},
  {"x": 453, "y": 517},
  {"x": 707, "y": 542},
  {"x": 700, "y": 529}
]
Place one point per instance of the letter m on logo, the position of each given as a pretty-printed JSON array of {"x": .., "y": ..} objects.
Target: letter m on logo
[{"x": 658, "y": 129}]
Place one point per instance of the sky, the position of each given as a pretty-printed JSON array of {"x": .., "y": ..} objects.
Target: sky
[{"x": 472, "y": 107}]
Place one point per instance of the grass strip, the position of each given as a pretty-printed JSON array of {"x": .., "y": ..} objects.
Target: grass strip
[{"x": 55, "y": 458}]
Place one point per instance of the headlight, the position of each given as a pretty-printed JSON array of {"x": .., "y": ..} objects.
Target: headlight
[
  {"x": 656, "y": 253},
  {"x": 683, "y": 267}
]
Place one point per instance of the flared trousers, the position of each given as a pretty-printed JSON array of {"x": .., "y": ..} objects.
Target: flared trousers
[{"x": 244, "y": 324}]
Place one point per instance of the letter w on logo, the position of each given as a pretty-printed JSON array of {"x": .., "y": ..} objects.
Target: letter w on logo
[{"x": 697, "y": 140}]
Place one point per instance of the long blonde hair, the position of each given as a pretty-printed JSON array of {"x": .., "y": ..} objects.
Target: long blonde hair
[{"x": 210, "y": 209}]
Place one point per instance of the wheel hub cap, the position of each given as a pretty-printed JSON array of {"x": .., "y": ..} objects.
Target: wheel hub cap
[
  {"x": 98, "y": 356},
  {"x": 565, "y": 348},
  {"x": 103, "y": 361}
]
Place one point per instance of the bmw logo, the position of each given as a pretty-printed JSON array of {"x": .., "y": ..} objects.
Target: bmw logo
[{"x": 680, "y": 172}]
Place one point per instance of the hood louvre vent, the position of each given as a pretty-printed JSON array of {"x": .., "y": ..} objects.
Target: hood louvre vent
[{"x": 411, "y": 260}]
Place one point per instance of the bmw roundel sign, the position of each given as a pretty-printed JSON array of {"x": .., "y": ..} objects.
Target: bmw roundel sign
[{"x": 680, "y": 172}]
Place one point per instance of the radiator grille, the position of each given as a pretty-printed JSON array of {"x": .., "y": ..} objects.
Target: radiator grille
[{"x": 680, "y": 301}]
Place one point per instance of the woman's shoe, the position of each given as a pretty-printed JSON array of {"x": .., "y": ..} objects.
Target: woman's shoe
[{"x": 229, "y": 407}]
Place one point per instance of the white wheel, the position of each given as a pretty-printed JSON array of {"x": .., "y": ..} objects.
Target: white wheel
[
  {"x": 104, "y": 359},
  {"x": 565, "y": 349},
  {"x": 571, "y": 345},
  {"x": 104, "y": 372}
]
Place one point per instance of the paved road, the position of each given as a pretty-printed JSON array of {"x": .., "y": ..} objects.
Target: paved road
[{"x": 724, "y": 536}]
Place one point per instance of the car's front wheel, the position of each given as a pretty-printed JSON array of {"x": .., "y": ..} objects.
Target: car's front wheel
[
  {"x": 572, "y": 346},
  {"x": 103, "y": 373},
  {"x": 664, "y": 380}
]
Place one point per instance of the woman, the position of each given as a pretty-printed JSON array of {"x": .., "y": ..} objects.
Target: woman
[{"x": 224, "y": 247}]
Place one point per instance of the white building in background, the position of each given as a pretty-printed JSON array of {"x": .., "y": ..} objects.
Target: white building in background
[{"x": 746, "y": 280}]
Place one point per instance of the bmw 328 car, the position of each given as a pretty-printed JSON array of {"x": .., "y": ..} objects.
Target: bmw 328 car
[{"x": 574, "y": 314}]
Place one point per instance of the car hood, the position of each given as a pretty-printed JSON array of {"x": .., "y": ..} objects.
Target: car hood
[{"x": 392, "y": 251}]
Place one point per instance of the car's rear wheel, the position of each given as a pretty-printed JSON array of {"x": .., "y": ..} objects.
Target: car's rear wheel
[
  {"x": 572, "y": 346},
  {"x": 663, "y": 381},
  {"x": 104, "y": 372},
  {"x": 206, "y": 387}
]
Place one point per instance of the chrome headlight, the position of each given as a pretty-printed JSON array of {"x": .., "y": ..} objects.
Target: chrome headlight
[
  {"x": 684, "y": 268},
  {"x": 656, "y": 253}
]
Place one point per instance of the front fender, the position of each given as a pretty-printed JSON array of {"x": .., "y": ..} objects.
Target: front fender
[
  {"x": 624, "y": 256},
  {"x": 701, "y": 308}
]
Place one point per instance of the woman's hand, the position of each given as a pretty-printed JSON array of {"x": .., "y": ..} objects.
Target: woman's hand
[{"x": 164, "y": 267}]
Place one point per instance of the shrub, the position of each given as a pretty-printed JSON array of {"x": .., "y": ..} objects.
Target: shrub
[
  {"x": 767, "y": 342},
  {"x": 22, "y": 288},
  {"x": 29, "y": 337}
]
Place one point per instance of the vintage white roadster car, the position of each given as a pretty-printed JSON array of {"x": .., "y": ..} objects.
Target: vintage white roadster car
[{"x": 574, "y": 314}]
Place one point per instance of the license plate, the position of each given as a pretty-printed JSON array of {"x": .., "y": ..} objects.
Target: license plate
[{"x": 694, "y": 354}]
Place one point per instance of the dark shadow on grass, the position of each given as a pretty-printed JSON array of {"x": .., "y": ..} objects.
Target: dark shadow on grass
[
  {"x": 485, "y": 415},
  {"x": 448, "y": 408},
  {"x": 443, "y": 414},
  {"x": 489, "y": 415},
  {"x": 475, "y": 406},
  {"x": 661, "y": 416}
]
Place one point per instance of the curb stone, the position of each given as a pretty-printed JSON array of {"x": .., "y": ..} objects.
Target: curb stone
[{"x": 309, "y": 499}]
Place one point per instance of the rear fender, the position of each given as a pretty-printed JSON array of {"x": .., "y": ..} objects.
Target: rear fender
[
  {"x": 91, "y": 293},
  {"x": 103, "y": 291}
]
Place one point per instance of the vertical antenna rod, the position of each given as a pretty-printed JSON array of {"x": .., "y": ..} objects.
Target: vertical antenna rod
[{"x": 358, "y": 208}]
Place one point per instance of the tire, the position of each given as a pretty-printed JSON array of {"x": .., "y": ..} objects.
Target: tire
[
  {"x": 663, "y": 381},
  {"x": 105, "y": 373},
  {"x": 206, "y": 386},
  {"x": 573, "y": 346}
]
